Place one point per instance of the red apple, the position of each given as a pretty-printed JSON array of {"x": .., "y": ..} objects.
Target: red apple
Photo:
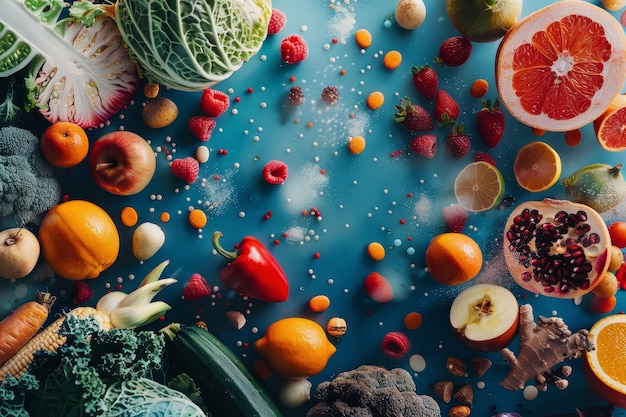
[
  {"x": 485, "y": 317},
  {"x": 122, "y": 162}
]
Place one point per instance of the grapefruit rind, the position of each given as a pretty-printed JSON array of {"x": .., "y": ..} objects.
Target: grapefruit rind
[
  {"x": 594, "y": 101},
  {"x": 607, "y": 387}
]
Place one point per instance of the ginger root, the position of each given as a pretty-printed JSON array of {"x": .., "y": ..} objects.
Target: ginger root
[{"x": 543, "y": 346}]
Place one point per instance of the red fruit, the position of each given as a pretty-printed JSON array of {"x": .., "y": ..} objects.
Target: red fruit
[
  {"x": 80, "y": 292},
  {"x": 275, "y": 172},
  {"x": 617, "y": 231},
  {"x": 455, "y": 217},
  {"x": 293, "y": 49},
  {"x": 454, "y": 51},
  {"x": 413, "y": 116},
  {"x": 201, "y": 126},
  {"x": 446, "y": 108},
  {"x": 426, "y": 80},
  {"x": 396, "y": 345},
  {"x": 186, "y": 168},
  {"x": 601, "y": 305},
  {"x": 457, "y": 142},
  {"x": 484, "y": 156},
  {"x": 490, "y": 123},
  {"x": 378, "y": 288},
  {"x": 620, "y": 274},
  {"x": 278, "y": 20},
  {"x": 295, "y": 96},
  {"x": 425, "y": 145},
  {"x": 214, "y": 102},
  {"x": 196, "y": 288}
]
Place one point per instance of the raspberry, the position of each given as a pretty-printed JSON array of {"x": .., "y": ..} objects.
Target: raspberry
[
  {"x": 278, "y": 20},
  {"x": 214, "y": 102},
  {"x": 396, "y": 345},
  {"x": 80, "y": 292},
  {"x": 330, "y": 95},
  {"x": 293, "y": 49},
  {"x": 275, "y": 172},
  {"x": 201, "y": 126},
  {"x": 296, "y": 96},
  {"x": 425, "y": 145},
  {"x": 196, "y": 288},
  {"x": 186, "y": 168}
]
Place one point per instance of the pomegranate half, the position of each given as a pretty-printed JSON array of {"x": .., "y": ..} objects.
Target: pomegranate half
[{"x": 556, "y": 247}]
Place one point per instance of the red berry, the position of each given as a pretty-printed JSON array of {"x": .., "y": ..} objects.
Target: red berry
[
  {"x": 275, "y": 172},
  {"x": 296, "y": 95},
  {"x": 425, "y": 79},
  {"x": 413, "y": 116},
  {"x": 378, "y": 288},
  {"x": 278, "y": 20},
  {"x": 293, "y": 49},
  {"x": 197, "y": 287},
  {"x": 484, "y": 156},
  {"x": 186, "y": 168},
  {"x": 80, "y": 292},
  {"x": 446, "y": 108},
  {"x": 201, "y": 126},
  {"x": 425, "y": 145},
  {"x": 396, "y": 345},
  {"x": 455, "y": 217},
  {"x": 330, "y": 95},
  {"x": 454, "y": 51},
  {"x": 214, "y": 102},
  {"x": 490, "y": 123}
]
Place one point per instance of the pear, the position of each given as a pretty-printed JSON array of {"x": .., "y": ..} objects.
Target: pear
[{"x": 599, "y": 186}]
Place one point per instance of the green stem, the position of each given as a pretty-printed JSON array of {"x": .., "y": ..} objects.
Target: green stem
[{"x": 230, "y": 255}]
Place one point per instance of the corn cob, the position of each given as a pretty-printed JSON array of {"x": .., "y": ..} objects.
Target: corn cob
[{"x": 48, "y": 340}]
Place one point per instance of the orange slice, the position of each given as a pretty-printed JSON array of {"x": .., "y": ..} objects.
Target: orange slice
[
  {"x": 559, "y": 68},
  {"x": 604, "y": 368},
  {"x": 479, "y": 186},
  {"x": 537, "y": 166},
  {"x": 610, "y": 127}
]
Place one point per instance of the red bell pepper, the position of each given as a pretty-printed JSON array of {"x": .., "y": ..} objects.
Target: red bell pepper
[{"x": 253, "y": 271}]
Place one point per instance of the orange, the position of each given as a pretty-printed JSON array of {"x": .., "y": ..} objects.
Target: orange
[
  {"x": 610, "y": 127},
  {"x": 295, "y": 348},
  {"x": 604, "y": 367},
  {"x": 559, "y": 67},
  {"x": 78, "y": 239},
  {"x": 64, "y": 144},
  {"x": 537, "y": 166},
  {"x": 479, "y": 186},
  {"x": 453, "y": 258}
]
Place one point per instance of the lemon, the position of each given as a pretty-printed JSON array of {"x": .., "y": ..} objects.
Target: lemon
[
  {"x": 537, "y": 166},
  {"x": 479, "y": 186}
]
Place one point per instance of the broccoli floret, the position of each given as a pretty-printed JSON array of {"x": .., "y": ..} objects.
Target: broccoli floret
[
  {"x": 27, "y": 183},
  {"x": 8, "y": 109},
  {"x": 372, "y": 391}
]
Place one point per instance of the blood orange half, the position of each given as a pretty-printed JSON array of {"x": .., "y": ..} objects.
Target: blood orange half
[
  {"x": 559, "y": 67},
  {"x": 610, "y": 127}
]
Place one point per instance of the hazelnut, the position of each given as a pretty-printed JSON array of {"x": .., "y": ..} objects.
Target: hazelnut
[{"x": 336, "y": 327}]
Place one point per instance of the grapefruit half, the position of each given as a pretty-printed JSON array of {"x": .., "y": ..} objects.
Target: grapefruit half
[
  {"x": 610, "y": 127},
  {"x": 560, "y": 67}
]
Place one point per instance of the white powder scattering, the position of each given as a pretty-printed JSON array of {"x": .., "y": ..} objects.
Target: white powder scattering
[
  {"x": 423, "y": 208},
  {"x": 295, "y": 234},
  {"x": 218, "y": 194},
  {"x": 304, "y": 187},
  {"x": 358, "y": 124},
  {"x": 342, "y": 24}
]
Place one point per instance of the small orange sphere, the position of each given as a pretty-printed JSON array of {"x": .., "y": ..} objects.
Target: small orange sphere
[
  {"x": 453, "y": 258},
  {"x": 64, "y": 144}
]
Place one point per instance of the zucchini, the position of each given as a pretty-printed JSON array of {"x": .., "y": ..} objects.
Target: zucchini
[{"x": 226, "y": 385}]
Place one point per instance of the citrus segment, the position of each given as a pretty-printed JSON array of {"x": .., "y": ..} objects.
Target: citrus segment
[
  {"x": 479, "y": 186},
  {"x": 610, "y": 127},
  {"x": 604, "y": 367},
  {"x": 537, "y": 166},
  {"x": 559, "y": 68}
]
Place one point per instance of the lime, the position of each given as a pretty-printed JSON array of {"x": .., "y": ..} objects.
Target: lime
[
  {"x": 537, "y": 166},
  {"x": 479, "y": 186}
]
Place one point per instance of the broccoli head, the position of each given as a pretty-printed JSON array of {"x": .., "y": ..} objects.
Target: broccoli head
[
  {"x": 372, "y": 391},
  {"x": 27, "y": 183}
]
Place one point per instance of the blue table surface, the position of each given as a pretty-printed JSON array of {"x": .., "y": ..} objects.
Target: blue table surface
[{"x": 382, "y": 195}]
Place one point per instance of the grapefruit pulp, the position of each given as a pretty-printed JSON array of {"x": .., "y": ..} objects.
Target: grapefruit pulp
[
  {"x": 560, "y": 67},
  {"x": 610, "y": 127}
]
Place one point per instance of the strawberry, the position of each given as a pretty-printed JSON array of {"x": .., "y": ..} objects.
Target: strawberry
[
  {"x": 201, "y": 126},
  {"x": 490, "y": 123},
  {"x": 214, "y": 102},
  {"x": 426, "y": 80},
  {"x": 80, "y": 292},
  {"x": 275, "y": 172},
  {"x": 483, "y": 156},
  {"x": 413, "y": 116},
  {"x": 447, "y": 109},
  {"x": 278, "y": 20},
  {"x": 425, "y": 145},
  {"x": 293, "y": 49},
  {"x": 454, "y": 51},
  {"x": 457, "y": 142},
  {"x": 196, "y": 288},
  {"x": 186, "y": 168},
  {"x": 455, "y": 217}
]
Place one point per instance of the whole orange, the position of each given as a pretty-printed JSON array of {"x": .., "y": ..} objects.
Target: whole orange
[
  {"x": 78, "y": 239},
  {"x": 64, "y": 144},
  {"x": 295, "y": 348},
  {"x": 453, "y": 258}
]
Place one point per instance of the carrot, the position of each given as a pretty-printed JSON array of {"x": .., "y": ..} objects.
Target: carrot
[{"x": 22, "y": 324}]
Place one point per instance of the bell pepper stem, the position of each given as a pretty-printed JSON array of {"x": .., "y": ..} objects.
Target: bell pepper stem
[{"x": 230, "y": 255}]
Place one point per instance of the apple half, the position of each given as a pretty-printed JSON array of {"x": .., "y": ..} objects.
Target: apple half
[{"x": 485, "y": 317}]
